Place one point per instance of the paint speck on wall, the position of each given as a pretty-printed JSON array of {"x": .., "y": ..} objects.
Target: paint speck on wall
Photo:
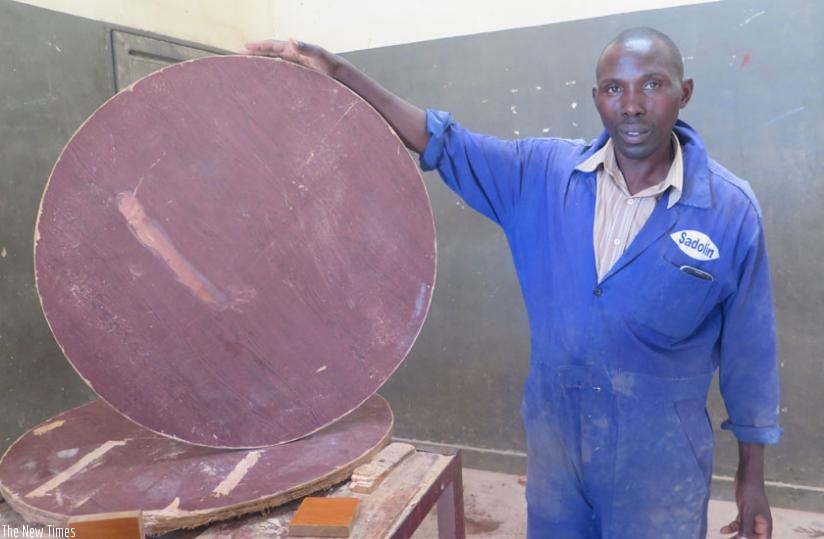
[
  {"x": 573, "y": 105},
  {"x": 570, "y": 83},
  {"x": 539, "y": 88},
  {"x": 749, "y": 19},
  {"x": 545, "y": 130},
  {"x": 3, "y": 252},
  {"x": 784, "y": 115},
  {"x": 513, "y": 109},
  {"x": 514, "y": 90},
  {"x": 517, "y": 132}
]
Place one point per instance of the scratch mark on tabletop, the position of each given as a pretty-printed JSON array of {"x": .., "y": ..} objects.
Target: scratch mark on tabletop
[
  {"x": 76, "y": 468},
  {"x": 84, "y": 499},
  {"x": 237, "y": 474},
  {"x": 172, "y": 507},
  {"x": 39, "y": 431},
  {"x": 152, "y": 236}
]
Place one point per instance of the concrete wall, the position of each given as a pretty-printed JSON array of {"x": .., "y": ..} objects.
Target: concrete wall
[
  {"x": 340, "y": 26},
  {"x": 756, "y": 105},
  {"x": 55, "y": 70},
  {"x": 366, "y": 24}
]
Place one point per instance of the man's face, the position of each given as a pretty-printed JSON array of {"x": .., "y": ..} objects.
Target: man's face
[{"x": 638, "y": 95}]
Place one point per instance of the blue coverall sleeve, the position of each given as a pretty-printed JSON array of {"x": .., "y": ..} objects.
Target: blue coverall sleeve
[
  {"x": 748, "y": 366},
  {"x": 485, "y": 171}
]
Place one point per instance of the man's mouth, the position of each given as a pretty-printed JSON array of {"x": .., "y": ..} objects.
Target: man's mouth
[{"x": 634, "y": 134}]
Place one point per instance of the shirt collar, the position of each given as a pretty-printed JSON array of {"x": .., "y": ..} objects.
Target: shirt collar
[{"x": 674, "y": 180}]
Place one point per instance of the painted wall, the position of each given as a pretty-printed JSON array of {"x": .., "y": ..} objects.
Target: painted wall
[
  {"x": 218, "y": 23},
  {"x": 365, "y": 24},
  {"x": 339, "y": 26},
  {"x": 55, "y": 70}
]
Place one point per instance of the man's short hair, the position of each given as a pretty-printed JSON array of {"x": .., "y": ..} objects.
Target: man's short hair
[{"x": 645, "y": 32}]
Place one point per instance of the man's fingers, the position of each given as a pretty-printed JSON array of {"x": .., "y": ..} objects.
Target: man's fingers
[
  {"x": 754, "y": 527},
  {"x": 298, "y": 52},
  {"x": 761, "y": 528},
  {"x": 732, "y": 527},
  {"x": 260, "y": 47},
  {"x": 269, "y": 48}
]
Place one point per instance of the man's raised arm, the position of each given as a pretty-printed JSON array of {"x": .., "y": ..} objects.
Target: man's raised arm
[{"x": 406, "y": 119}]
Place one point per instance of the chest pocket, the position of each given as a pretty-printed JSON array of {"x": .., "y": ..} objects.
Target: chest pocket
[{"x": 673, "y": 301}]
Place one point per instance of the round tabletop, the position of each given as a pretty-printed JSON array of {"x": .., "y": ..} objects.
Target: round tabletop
[
  {"x": 92, "y": 460},
  {"x": 235, "y": 251}
]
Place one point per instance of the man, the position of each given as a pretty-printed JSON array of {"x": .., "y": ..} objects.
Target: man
[{"x": 643, "y": 268}]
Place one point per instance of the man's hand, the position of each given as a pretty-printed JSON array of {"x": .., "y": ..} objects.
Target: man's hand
[
  {"x": 311, "y": 56},
  {"x": 754, "y": 519}
]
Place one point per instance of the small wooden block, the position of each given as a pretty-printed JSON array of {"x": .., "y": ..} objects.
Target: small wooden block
[
  {"x": 324, "y": 517},
  {"x": 123, "y": 525},
  {"x": 367, "y": 477}
]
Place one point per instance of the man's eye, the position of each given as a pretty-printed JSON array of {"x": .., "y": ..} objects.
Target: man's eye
[
  {"x": 652, "y": 85},
  {"x": 612, "y": 89}
]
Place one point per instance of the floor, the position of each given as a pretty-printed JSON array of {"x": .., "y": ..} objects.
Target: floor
[{"x": 495, "y": 508}]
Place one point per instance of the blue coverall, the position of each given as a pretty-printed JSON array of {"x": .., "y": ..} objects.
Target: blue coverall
[{"x": 619, "y": 440}]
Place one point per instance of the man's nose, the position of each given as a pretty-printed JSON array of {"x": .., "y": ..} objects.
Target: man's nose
[{"x": 632, "y": 103}]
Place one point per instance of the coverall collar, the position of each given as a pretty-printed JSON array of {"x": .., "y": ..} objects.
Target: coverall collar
[{"x": 696, "y": 189}]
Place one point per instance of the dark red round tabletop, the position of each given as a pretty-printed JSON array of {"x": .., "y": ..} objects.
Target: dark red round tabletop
[
  {"x": 92, "y": 460},
  {"x": 235, "y": 251}
]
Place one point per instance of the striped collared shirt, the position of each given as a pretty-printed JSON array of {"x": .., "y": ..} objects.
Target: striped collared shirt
[{"x": 619, "y": 216}]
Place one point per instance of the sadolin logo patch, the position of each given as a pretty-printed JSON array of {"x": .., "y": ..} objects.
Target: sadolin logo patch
[{"x": 695, "y": 244}]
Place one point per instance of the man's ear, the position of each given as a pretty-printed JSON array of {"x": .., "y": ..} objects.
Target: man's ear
[{"x": 687, "y": 87}]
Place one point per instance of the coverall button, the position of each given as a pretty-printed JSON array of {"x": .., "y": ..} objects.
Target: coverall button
[{"x": 598, "y": 291}]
